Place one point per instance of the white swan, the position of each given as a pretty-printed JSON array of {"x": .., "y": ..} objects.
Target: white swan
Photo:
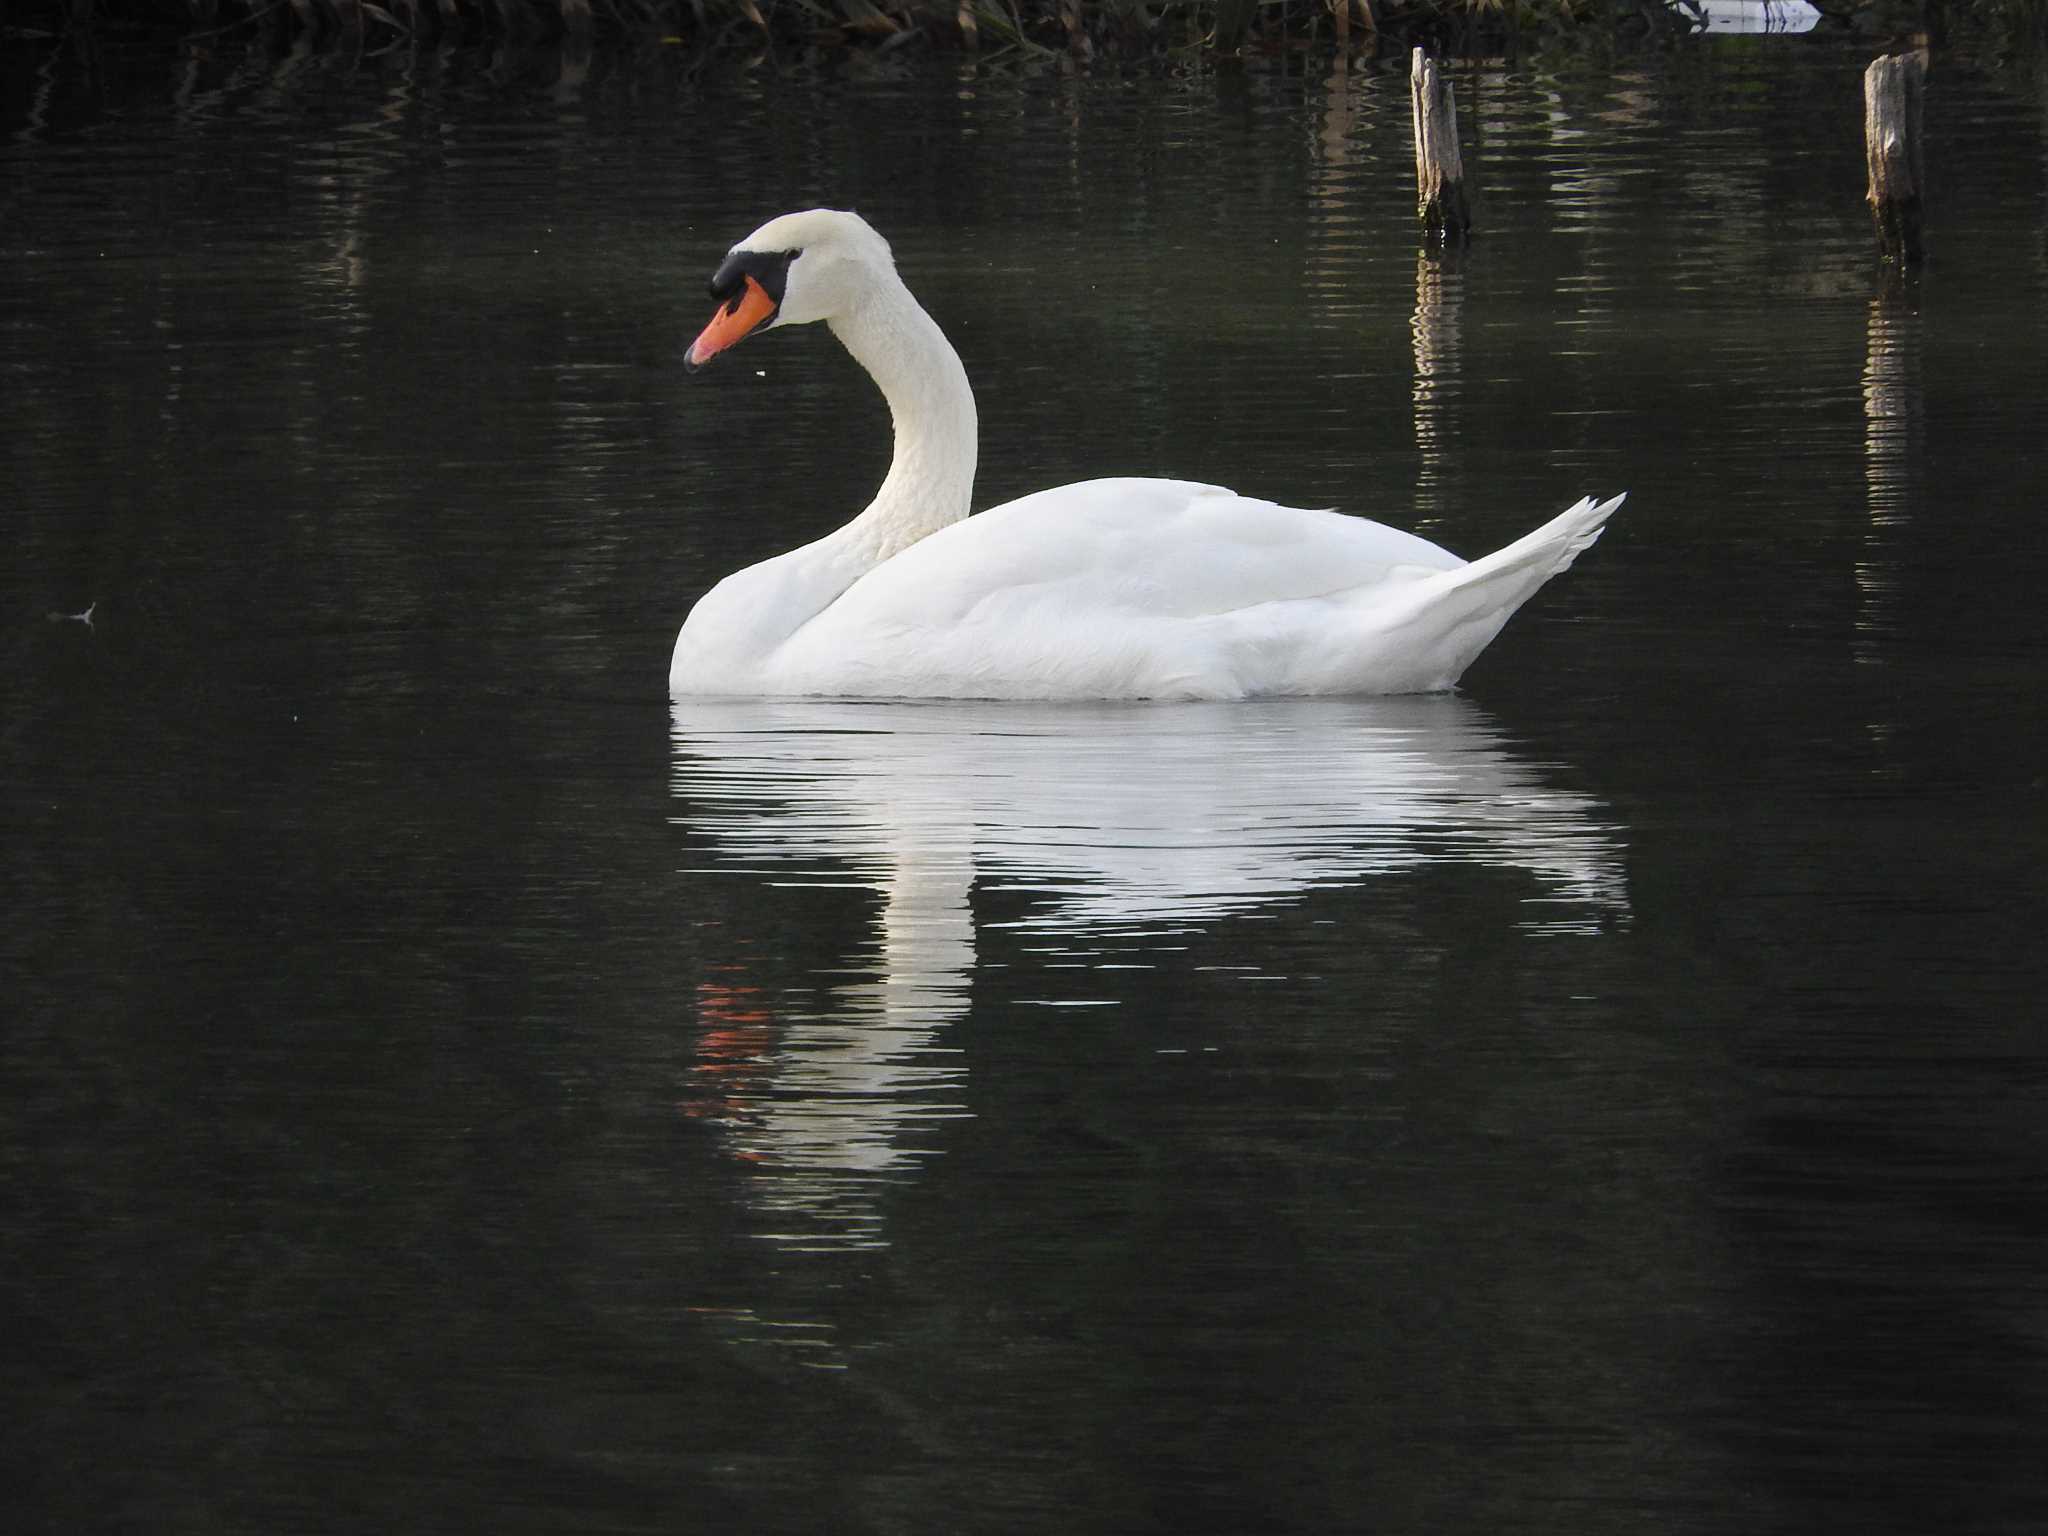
[{"x": 1105, "y": 589}]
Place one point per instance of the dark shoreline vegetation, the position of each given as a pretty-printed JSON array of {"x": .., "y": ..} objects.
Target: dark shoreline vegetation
[{"x": 1079, "y": 28}]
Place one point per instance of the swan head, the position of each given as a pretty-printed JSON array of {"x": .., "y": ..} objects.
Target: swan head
[{"x": 793, "y": 270}]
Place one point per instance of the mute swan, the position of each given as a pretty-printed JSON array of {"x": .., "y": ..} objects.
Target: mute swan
[{"x": 1105, "y": 589}]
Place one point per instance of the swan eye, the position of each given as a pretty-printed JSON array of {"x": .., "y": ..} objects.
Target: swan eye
[{"x": 768, "y": 268}]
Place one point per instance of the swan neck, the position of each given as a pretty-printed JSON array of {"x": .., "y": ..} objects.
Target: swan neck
[{"x": 931, "y": 409}]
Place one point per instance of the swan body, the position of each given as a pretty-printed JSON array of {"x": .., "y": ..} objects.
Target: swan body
[{"x": 1104, "y": 589}]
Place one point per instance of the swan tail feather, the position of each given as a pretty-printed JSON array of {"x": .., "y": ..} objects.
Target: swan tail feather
[
  {"x": 1555, "y": 545},
  {"x": 1450, "y": 618}
]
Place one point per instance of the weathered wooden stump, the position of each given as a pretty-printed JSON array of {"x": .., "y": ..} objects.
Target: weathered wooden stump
[
  {"x": 1893, "y": 90},
  {"x": 1439, "y": 172},
  {"x": 1233, "y": 23},
  {"x": 1340, "y": 13}
]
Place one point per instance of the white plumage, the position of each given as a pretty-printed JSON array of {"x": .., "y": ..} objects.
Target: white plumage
[{"x": 1104, "y": 589}]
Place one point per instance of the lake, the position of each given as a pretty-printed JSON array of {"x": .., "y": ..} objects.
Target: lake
[{"x": 447, "y": 1086}]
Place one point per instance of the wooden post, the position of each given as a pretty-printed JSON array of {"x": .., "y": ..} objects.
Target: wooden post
[
  {"x": 1077, "y": 35},
  {"x": 1341, "y": 12},
  {"x": 1439, "y": 172},
  {"x": 1233, "y": 19},
  {"x": 1893, "y": 90}
]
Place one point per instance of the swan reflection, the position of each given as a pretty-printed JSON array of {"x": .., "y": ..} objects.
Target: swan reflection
[{"x": 1104, "y": 823}]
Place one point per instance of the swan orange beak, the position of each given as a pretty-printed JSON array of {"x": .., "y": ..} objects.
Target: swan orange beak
[{"x": 746, "y": 312}]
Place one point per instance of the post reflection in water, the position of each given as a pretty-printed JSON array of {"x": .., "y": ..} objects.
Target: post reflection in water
[
  {"x": 1434, "y": 333},
  {"x": 1137, "y": 825},
  {"x": 1893, "y": 443}
]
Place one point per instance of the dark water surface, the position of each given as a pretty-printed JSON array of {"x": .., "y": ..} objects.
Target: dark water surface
[{"x": 447, "y": 1088}]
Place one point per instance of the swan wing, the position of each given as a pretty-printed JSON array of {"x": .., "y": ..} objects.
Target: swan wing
[
  {"x": 1138, "y": 548},
  {"x": 1106, "y": 587}
]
